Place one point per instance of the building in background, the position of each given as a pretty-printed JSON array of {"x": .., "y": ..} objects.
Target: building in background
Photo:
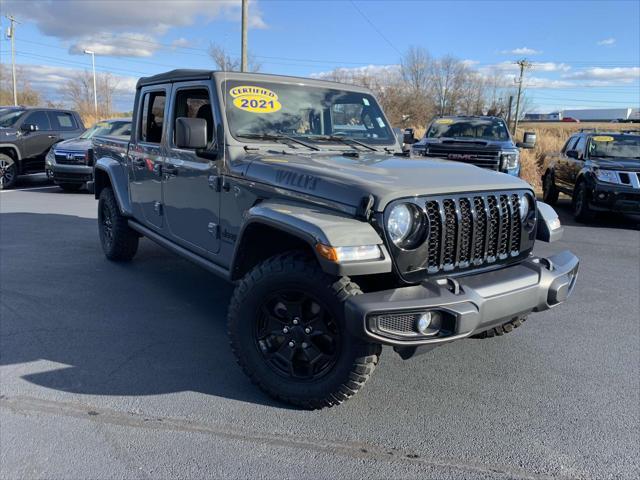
[{"x": 588, "y": 115}]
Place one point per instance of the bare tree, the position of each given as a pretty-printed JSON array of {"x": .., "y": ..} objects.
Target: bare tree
[
  {"x": 415, "y": 68},
  {"x": 26, "y": 93},
  {"x": 78, "y": 91},
  {"x": 226, "y": 62}
]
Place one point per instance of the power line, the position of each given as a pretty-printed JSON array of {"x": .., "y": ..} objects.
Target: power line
[{"x": 378, "y": 31}]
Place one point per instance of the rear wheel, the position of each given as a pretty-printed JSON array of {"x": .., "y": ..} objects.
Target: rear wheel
[
  {"x": 549, "y": 191},
  {"x": 8, "y": 172},
  {"x": 581, "y": 210},
  {"x": 70, "y": 187},
  {"x": 119, "y": 241},
  {"x": 286, "y": 327}
]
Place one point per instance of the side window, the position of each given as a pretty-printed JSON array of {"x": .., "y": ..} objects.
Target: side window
[
  {"x": 152, "y": 118},
  {"x": 62, "y": 121},
  {"x": 39, "y": 118},
  {"x": 580, "y": 146},
  {"x": 570, "y": 144},
  {"x": 193, "y": 103}
]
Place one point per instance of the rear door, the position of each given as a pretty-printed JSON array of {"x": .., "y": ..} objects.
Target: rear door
[
  {"x": 191, "y": 183},
  {"x": 146, "y": 155}
]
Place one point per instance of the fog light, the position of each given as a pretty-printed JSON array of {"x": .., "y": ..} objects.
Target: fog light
[
  {"x": 423, "y": 322},
  {"x": 601, "y": 196}
]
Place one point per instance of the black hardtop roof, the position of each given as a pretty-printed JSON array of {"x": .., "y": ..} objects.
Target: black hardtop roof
[{"x": 182, "y": 75}]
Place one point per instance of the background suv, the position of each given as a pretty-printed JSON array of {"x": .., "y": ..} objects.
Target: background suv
[{"x": 27, "y": 134}]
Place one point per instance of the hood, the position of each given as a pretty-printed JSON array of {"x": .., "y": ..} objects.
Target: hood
[
  {"x": 74, "y": 144},
  {"x": 347, "y": 179},
  {"x": 8, "y": 133},
  {"x": 628, "y": 164},
  {"x": 478, "y": 143}
]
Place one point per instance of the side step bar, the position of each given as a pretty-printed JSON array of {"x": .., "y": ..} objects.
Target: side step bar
[{"x": 177, "y": 249}]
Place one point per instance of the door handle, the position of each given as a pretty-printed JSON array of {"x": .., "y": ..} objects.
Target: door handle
[{"x": 54, "y": 137}]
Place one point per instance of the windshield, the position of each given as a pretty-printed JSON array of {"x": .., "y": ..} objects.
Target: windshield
[
  {"x": 615, "y": 146},
  {"x": 8, "y": 118},
  {"x": 298, "y": 111},
  {"x": 483, "y": 128},
  {"x": 117, "y": 127}
]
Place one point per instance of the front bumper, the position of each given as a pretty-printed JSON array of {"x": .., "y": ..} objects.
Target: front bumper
[
  {"x": 615, "y": 198},
  {"x": 468, "y": 305},
  {"x": 69, "y": 173}
]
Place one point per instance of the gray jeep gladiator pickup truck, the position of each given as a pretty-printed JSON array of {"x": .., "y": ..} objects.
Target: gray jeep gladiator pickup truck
[{"x": 296, "y": 190}]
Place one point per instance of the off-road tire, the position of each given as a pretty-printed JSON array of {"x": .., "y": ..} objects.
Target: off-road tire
[
  {"x": 122, "y": 244},
  {"x": 502, "y": 329},
  {"x": 70, "y": 187},
  {"x": 580, "y": 204},
  {"x": 8, "y": 165},
  {"x": 355, "y": 360},
  {"x": 549, "y": 190}
]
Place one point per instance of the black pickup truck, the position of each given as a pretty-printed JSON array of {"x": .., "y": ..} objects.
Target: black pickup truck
[{"x": 27, "y": 134}]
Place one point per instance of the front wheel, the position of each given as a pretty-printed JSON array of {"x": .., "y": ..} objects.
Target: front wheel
[
  {"x": 8, "y": 172},
  {"x": 286, "y": 327},
  {"x": 581, "y": 210},
  {"x": 119, "y": 241}
]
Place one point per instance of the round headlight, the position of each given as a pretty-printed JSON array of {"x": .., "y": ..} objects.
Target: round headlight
[
  {"x": 399, "y": 223},
  {"x": 525, "y": 206},
  {"x": 406, "y": 225}
]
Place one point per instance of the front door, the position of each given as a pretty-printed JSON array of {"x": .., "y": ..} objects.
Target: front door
[
  {"x": 191, "y": 186},
  {"x": 36, "y": 144},
  {"x": 146, "y": 156}
]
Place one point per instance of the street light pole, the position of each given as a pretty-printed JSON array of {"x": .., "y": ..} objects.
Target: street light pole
[
  {"x": 95, "y": 91},
  {"x": 12, "y": 35},
  {"x": 245, "y": 17}
]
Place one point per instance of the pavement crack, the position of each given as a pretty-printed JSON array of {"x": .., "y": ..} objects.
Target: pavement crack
[{"x": 29, "y": 405}]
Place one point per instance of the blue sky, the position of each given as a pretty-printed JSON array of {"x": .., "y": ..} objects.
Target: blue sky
[{"x": 585, "y": 53}]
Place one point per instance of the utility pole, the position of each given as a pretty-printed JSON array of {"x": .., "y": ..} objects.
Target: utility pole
[
  {"x": 524, "y": 63},
  {"x": 12, "y": 35},
  {"x": 95, "y": 91},
  {"x": 245, "y": 19},
  {"x": 509, "y": 111}
]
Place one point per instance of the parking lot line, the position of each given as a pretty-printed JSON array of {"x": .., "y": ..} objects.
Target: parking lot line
[{"x": 29, "y": 189}]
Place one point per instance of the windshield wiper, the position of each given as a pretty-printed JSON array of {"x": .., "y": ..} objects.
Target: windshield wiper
[
  {"x": 339, "y": 138},
  {"x": 276, "y": 137}
]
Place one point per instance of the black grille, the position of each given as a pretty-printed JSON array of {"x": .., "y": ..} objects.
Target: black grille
[
  {"x": 69, "y": 158},
  {"x": 482, "y": 158},
  {"x": 472, "y": 230}
]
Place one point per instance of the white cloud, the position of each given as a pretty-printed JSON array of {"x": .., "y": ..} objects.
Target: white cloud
[
  {"x": 521, "y": 51},
  {"x": 125, "y": 45},
  {"x": 607, "y": 42},
  {"x": 619, "y": 74},
  {"x": 351, "y": 72},
  {"x": 536, "y": 66},
  {"x": 83, "y": 21},
  {"x": 180, "y": 42}
]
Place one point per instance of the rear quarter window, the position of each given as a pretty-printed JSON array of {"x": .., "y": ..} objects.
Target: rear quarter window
[{"x": 62, "y": 121}]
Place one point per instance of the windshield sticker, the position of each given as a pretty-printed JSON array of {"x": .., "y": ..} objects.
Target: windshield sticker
[
  {"x": 365, "y": 101},
  {"x": 255, "y": 99},
  {"x": 380, "y": 122},
  {"x": 444, "y": 121},
  {"x": 602, "y": 138}
]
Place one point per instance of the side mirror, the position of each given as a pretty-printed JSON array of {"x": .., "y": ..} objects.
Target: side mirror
[
  {"x": 29, "y": 127},
  {"x": 528, "y": 141},
  {"x": 408, "y": 136},
  {"x": 191, "y": 133},
  {"x": 572, "y": 154}
]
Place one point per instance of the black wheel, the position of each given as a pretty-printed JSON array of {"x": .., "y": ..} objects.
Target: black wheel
[
  {"x": 549, "y": 191},
  {"x": 581, "y": 210},
  {"x": 8, "y": 172},
  {"x": 287, "y": 331},
  {"x": 70, "y": 187},
  {"x": 119, "y": 242},
  {"x": 508, "y": 327}
]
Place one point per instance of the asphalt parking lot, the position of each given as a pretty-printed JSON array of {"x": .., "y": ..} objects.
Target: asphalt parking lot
[{"x": 124, "y": 371}]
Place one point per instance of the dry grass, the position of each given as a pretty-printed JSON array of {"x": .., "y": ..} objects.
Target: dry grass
[{"x": 551, "y": 138}]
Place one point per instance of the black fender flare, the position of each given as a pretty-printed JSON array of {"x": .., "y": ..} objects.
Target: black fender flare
[{"x": 109, "y": 172}]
